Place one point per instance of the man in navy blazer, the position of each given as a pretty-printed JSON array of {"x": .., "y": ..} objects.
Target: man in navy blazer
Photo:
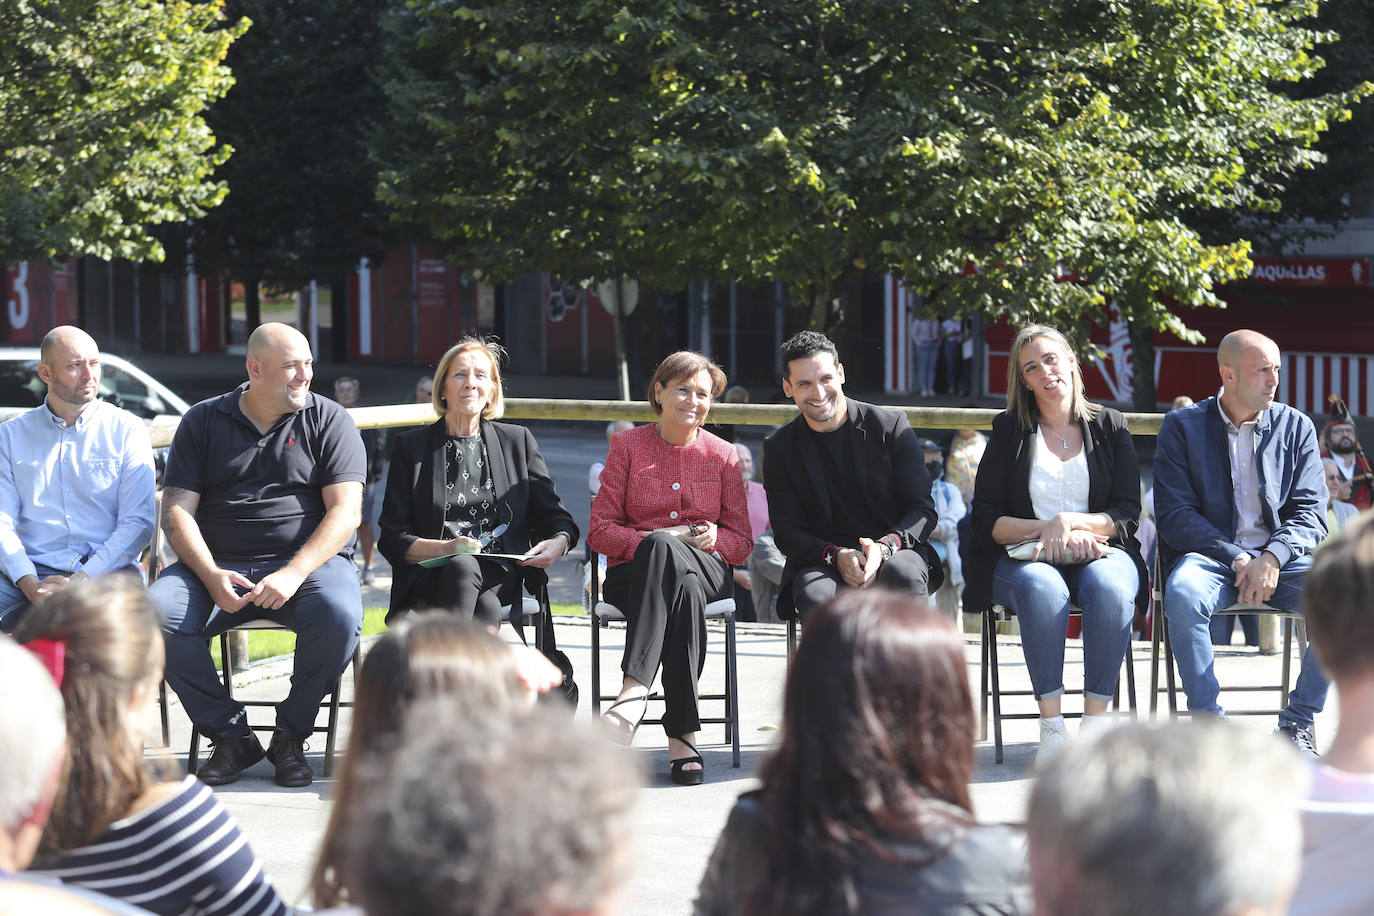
[
  {"x": 848, "y": 490},
  {"x": 1240, "y": 500}
]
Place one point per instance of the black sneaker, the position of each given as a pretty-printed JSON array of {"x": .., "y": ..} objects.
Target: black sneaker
[
  {"x": 1304, "y": 738},
  {"x": 229, "y": 759},
  {"x": 287, "y": 753}
]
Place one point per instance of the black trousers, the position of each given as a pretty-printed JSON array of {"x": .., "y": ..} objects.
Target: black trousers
[
  {"x": 663, "y": 593},
  {"x": 904, "y": 571},
  {"x": 469, "y": 585}
]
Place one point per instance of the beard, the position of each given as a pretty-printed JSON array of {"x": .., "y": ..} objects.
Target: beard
[{"x": 1343, "y": 447}]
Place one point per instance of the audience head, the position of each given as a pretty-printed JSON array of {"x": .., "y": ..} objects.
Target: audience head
[
  {"x": 488, "y": 814},
  {"x": 736, "y": 394},
  {"x": 934, "y": 458},
  {"x": 746, "y": 460},
  {"x": 1339, "y": 437},
  {"x": 1187, "y": 819},
  {"x": 113, "y": 649},
  {"x": 32, "y": 719},
  {"x": 1337, "y": 487},
  {"x": 877, "y": 743},
  {"x": 346, "y": 391},
  {"x": 424, "y": 390},
  {"x": 679, "y": 367},
  {"x": 813, "y": 377},
  {"x": 424, "y": 655},
  {"x": 617, "y": 426},
  {"x": 1181, "y": 402},
  {"x": 1336, "y": 597},
  {"x": 1044, "y": 342},
  {"x": 489, "y": 355}
]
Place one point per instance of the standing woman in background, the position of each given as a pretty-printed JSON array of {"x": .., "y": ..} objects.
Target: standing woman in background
[{"x": 671, "y": 520}]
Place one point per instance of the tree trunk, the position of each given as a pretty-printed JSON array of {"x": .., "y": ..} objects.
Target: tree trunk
[
  {"x": 1142, "y": 367},
  {"x": 252, "y": 305},
  {"x": 338, "y": 309},
  {"x": 622, "y": 370},
  {"x": 826, "y": 313}
]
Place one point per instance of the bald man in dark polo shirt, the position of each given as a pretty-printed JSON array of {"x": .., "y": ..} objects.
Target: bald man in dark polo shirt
[{"x": 262, "y": 502}]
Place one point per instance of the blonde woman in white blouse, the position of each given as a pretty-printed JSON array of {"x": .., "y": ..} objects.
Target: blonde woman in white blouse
[{"x": 1061, "y": 473}]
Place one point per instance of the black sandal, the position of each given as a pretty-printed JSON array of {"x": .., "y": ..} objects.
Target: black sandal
[
  {"x": 625, "y": 727},
  {"x": 679, "y": 774}
]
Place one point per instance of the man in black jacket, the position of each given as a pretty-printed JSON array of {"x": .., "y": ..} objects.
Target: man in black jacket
[{"x": 848, "y": 490}]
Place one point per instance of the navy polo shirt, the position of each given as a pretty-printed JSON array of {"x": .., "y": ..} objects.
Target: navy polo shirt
[{"x": 261, "y": 494}]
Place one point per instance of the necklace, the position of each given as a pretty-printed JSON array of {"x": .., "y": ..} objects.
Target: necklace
[{"x": 1056, "y": 435}]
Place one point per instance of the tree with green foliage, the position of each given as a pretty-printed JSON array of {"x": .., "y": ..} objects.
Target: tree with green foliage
[
  {"x": 985, "y": 151},
  {"x": 302, "y": 204},
  {"x": 101, "y": 133}
]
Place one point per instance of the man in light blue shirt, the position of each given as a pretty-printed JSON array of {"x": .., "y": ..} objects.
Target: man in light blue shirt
[{"x": 76, "y": 482}]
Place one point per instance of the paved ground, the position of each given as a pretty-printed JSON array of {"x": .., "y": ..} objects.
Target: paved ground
[{"x": 676, "y": 826}]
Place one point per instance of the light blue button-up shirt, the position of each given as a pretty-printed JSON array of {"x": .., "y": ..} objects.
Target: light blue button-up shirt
[{"x": 76, "y": 498}]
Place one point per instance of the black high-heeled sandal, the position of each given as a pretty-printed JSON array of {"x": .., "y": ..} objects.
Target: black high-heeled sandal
[
  {"x": 684, "y": 777},
  {"x": 624, "y": 726}
]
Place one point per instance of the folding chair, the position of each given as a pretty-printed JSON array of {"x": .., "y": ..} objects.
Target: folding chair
[
  {"x": 602, "y": 613},
  {"x": 992, "y": 687}
]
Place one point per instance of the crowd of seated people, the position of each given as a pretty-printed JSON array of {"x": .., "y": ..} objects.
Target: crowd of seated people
[{"x": 863, "y": 807}]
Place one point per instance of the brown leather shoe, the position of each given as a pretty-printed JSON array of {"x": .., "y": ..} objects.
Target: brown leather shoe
[
  {"x": 230, "y": 758},
  {"x": 287, "y": 752}
]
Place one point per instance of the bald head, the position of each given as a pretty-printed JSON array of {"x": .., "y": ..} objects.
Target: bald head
[
  {"x": 1235, "y": 345},
  {"x": 70, "y": 367},
  {"x": 1249, "y": 365},
  {"x": 280, "y": 368}
]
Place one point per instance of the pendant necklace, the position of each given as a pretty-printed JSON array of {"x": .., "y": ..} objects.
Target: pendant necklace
[{"x": 1057, "y": 436}]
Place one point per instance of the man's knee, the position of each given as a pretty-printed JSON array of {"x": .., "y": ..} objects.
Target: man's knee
[
  {"x": 905, "y": 570},
  {"x": 1192, "y": 588}
]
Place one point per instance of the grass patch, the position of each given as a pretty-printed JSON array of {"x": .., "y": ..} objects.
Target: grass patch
[{"x": 271, "y": 643}]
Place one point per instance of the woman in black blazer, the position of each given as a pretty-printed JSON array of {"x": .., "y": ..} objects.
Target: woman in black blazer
[
  {"x": 464, "y": 488},
  {"x": 1060, "y": 475}
]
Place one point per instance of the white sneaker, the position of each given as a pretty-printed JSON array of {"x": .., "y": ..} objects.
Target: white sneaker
[
  {"x": 1053, "y": 734},
  {"x": 1089, "y": 724}
]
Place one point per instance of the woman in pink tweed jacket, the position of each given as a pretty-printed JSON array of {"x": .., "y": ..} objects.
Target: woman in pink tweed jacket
[{"x": 671, "y": 520}]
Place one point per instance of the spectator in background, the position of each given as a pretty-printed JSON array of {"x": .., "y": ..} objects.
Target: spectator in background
[
  {"x": 735, "y": 394},
  {"x": 1180, "y": 402},
  {"x": 766, "y": 562},
  {"x": 1339, "y": 510},
  {"x": 961, "y": 469},
  {"x": 29, "y": 781},
  {"x": 484, "y": 814},
  {"x": 424, "y": 390},
  {"x": 925, "y": 335},
  {"x": 1338, "y": 817},
  {"x": 951, "y": 334},
  {"x": 1340, "y": 442},
  {"x": 865, "y": 807},
  {"x": 944, "y": 537},
  {"x": 1178, "y": 819},
  {"x": 594, "y": 475},
  {"x": 346, "y": 392}
]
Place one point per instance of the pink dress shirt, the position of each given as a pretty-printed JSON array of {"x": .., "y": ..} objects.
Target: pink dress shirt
[
  {"x": 649, "y": 484},
  {"x": 757, "y": 498}
]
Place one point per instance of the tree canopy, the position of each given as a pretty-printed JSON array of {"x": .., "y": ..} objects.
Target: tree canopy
[
  {"x": 985, "y": 150},
  {"x": 101, "y": 134},
  {"x": 302, "y": 188}
]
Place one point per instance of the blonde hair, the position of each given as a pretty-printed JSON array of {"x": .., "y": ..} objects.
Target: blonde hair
[
  {"x": 495, "y": 353},
  {"x": 1020, "y": 401}
]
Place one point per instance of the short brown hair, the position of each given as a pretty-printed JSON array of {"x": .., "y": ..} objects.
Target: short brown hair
[
  {"x": 684, "y": 364},
  {"x": 495, "y": 352},
  {"x": 1336, "y": 598}
]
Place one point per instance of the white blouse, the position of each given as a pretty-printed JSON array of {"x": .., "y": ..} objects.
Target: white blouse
[{"x": 1057, "y": 486}]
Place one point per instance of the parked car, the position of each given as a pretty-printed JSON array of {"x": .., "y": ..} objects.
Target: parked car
[{"x": 121, "y": 383}]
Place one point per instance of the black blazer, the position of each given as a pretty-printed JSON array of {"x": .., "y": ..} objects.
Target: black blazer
[
  {"x": 1003, "y": 488},
  {"x": 890, "y": 470},
  {"x": 414, "y": 504}
]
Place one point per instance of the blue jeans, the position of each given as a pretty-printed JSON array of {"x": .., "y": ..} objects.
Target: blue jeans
[
  {"x": 927, "y": 356},
  {"x": 1197, "y": 588},
  {"x": 14, "y": 604},
  {"x": 326, "y": 614},
  {"x": 1040, "y": 594}
]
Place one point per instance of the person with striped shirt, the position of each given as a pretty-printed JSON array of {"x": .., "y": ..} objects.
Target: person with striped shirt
[{"x": 116, "y": 828}]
